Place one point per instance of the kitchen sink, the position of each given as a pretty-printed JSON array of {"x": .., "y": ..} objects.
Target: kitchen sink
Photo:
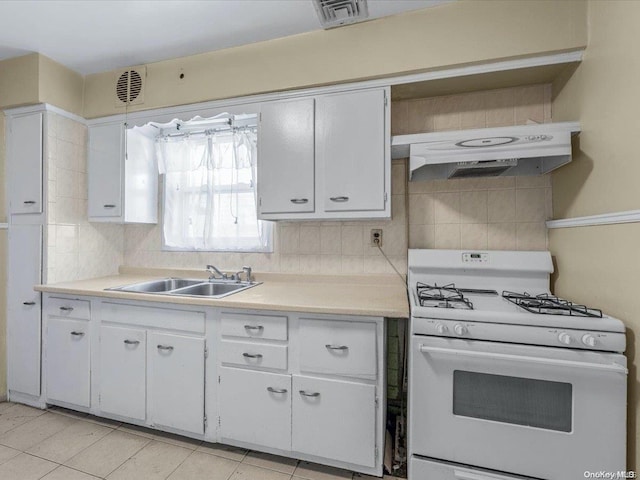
[{"x": 187, "y": 287}]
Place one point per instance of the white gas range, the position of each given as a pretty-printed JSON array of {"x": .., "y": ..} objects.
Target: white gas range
[{"x": 505, "y": 380}]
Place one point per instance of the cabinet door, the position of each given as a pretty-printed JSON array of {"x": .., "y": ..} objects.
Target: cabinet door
[
  {"x": 255, "y": 407},
  {"x": 176, "y": 381},
  {"x": 351, "y": 150},
  {"x": 67, "y": 361},
  {"x": 24, "y": 309},
  {"x": 286, "y": 157},
  {"x": 334, "y": 419},
  {"x": 25, "y": 164},
  {"x": 122, "y": 376},
  {"x": 106, "y": 154}
]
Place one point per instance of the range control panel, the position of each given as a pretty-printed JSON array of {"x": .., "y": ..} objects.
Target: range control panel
[{"x": 475, "y": 257}]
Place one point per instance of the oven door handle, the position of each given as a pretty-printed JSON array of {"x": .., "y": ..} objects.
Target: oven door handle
[{"x": 610, "y": 367}]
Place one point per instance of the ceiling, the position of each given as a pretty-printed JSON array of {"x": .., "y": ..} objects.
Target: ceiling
[{"x": 91, "y": 36}]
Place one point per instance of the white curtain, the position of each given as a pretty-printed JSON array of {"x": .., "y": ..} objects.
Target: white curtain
[{"x": 210, "y": 198}]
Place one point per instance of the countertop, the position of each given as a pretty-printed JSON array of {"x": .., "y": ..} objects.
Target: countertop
[{"x": 370, "y": 295}]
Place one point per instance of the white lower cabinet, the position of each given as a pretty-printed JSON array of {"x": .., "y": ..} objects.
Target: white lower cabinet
[
  {"x": 334, "y": 419},
  {"x": 255, "y": 407},
  {"x": 67, "y": 361},
  {"x": 122, "y": 379},
  {"x": 176, "y": 381}
]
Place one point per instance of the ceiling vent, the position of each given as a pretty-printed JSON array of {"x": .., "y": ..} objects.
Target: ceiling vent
[
  {"x": 335, "y": 13},
  {"x": 129, "y": 86}
]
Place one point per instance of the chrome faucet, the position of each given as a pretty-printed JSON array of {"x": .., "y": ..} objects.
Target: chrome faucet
[{"x": 213, "y": 270}]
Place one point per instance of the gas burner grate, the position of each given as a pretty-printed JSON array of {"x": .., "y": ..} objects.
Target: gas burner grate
[
  {"x": 446, "y": 296},
  {"x": 547, "y": 304}
]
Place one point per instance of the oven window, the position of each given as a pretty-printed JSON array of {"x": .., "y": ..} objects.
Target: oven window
[{"x": 516, "y": 400}]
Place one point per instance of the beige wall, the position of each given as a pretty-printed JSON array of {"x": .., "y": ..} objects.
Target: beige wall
[
  {"x": 19, "y": 81},
  {"x": 600, "y": 265},
  {"x": 453, "y": 34},
  {"x": 503, "y": 213},
  {"x": 60, "y": 86}
]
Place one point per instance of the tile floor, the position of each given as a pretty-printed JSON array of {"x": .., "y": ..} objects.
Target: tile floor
[{"x": 59, "y": 444}]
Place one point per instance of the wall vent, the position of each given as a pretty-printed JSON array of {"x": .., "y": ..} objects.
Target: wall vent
[
  {"x": 129, "y": 86},
  {"x": 335, "y": 13}
]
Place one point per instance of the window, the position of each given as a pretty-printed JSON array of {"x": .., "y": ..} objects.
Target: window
[{"x": 210, "y": 188}]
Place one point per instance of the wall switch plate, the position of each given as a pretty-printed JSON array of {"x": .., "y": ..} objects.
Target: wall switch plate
[{"x": 376, "y": 237}]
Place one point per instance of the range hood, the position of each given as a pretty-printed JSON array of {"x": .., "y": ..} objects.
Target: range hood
[{"x": 486, "y": 152}]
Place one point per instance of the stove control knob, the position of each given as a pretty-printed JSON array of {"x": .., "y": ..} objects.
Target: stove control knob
[
  {"x": 589, "y": 340},
  {"x": 460, "y": 329},
  {"x": 565, "y": 338},
  {"x": 441, "y": 328}
]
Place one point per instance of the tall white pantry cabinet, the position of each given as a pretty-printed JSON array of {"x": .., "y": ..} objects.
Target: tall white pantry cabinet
[{"x": 26, "y": 200}]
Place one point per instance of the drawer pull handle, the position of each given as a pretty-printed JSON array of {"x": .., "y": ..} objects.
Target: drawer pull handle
[
  {"x": 109, "y": 205},
  {"x": 165, "y": 347},
  {"x": 276, "y": 390},
  {"x": 307, "y": 394},
  {"x": 133, "y": 342},
  {"x": 299, "y": 201},
  {"x": 254, "y": 327},
  {"x": 66, "y": 309},
  {"x": 337, "y": 347},
  {"x": 341, "y": 199},
  {"x": 77, "y": 334},
  {"x": 29, "y": 303},
  {"x": 252, "y": 355},
  {"x": 29, "y": 202}
]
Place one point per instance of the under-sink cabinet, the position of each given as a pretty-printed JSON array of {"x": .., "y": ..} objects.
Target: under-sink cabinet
[{"x": 305, "y": 386}]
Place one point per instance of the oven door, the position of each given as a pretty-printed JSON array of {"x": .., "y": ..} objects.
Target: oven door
[{"x": 544, "y": 412}]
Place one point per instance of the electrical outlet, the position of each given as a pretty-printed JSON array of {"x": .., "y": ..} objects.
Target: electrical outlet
[{"x": 376, "y": 237}]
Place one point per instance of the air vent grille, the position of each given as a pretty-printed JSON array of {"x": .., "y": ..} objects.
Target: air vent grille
[
  {"x": 335, "y": 13},
  {"x": 130, "y": 86}
]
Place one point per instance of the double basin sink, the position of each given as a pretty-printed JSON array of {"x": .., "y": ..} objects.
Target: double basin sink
[{"x": 188, "y": 287}]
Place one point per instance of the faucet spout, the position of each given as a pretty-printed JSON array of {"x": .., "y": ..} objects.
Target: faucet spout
[{"x": 213, "y": 270}]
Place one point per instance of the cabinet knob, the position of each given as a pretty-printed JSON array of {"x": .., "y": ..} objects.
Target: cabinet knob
[
  {"x": 133, "y": 342},
  {"x": 337, "y": 347},
  {"x": 29, "y": 303},
  {"x": 276, "y": 390},
  {"x": 309, "y": 394},
  {"x": 77, "y": 334},
  {"x": 66, "y": 309},
  {"x": 29, "y": 202},
  {"x": 109, "y": 205},
  {"x": 252, "y": 355},
  {"x": 299, "y": 200},
  {"x": 341, "y": 199},
  {"x": 165, "y": 347}
]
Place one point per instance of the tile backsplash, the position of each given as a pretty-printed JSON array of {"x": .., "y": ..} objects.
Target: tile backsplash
[
  {"x": 489, "y": 213},
  {"x": 76, "y": 249}
]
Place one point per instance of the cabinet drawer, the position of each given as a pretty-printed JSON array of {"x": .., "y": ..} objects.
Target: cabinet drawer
[
  {"x": 338, "y": 347},
  {"x": 253, "y": 354},
  {"x": 64, "y": 307},
  {"x": 153, "y": 317},
  {"x": 267, "y": 327}
]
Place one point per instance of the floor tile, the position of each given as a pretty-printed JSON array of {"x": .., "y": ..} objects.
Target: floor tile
[
  {"x": 35, "y": 431},
  {"x": 313, "y": 471},
  {"x": 272, "y": 462},
  {"x": 108, "y": 453},
  {"x": 179, "y": 440},
  {"x": 5, "y": 405},
  {"x": 7, "y": 453},
  {"x": 226, "y": 451},
  {"x": 106, "y": 422},
  {"x": 156, "y": 461},
  {"x": 16, "y": 415},
  {"x": 136, "y": 430},
  {"x": 66, "y": 412},
  {"x": 25, "y": 467},
  {"x": 202, "y": 466},
  {"x": 65, "y": 473},
  {"x": 69, "y": 442},
  {"x": 249, "y": 472}
]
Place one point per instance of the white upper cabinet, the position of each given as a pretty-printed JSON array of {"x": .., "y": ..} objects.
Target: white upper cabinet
[
  {"x": 122, "y": 178},
  {"x": 351, "y": 127},
  {"x": 286, "y": 157},
  {"x": 25, "y": 163},
  {"x": 325, "y": 157}
]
